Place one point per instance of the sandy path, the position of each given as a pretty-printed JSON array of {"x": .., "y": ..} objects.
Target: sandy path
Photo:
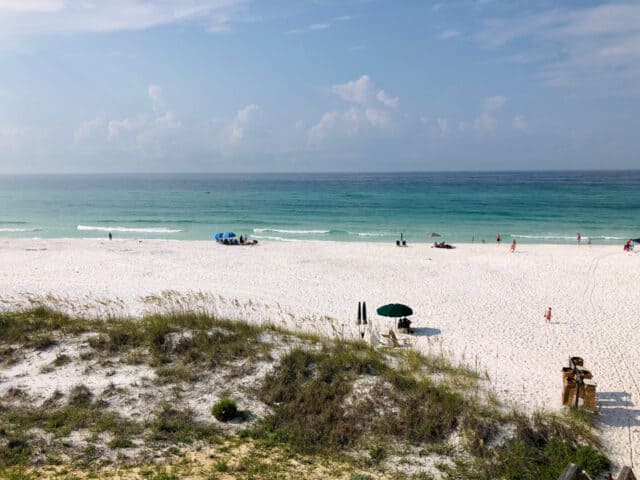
[{"x": 479, "y": 302}]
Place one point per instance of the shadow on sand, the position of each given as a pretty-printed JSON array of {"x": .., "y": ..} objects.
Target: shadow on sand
[
  {"x": 616, "y": 410},
  {"x": 426, "y": 331}
]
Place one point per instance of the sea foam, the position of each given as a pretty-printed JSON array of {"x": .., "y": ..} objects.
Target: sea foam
[
  {"x": 35, "y": 229},
  {"x": 127, "y": 229},
  {"x": 293, "y": 232}
]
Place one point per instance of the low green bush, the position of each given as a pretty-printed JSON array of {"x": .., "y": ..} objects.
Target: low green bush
[{"x": 225, "y": 410}]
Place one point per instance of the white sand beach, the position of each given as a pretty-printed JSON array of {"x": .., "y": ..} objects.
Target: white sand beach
[{"x": 482, "y": 303}]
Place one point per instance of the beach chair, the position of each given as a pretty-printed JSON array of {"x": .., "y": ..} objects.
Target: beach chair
[{"x": 392, "y": 339}]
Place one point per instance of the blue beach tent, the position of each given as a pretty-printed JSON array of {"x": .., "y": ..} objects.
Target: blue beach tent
[{"x": 220, "y": 236}]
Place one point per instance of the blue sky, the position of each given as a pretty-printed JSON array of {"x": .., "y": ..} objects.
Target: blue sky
[{"x": 318, "y": 85}]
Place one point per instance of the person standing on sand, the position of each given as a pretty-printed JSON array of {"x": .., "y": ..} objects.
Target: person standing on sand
[
  {"x": 110, "y": 236},
  {"x": 498, "y": 238},
  {"x": 547, "y": 315},
  {"x": 579, "y": 238},
  {"x": 513, "y": 246}
]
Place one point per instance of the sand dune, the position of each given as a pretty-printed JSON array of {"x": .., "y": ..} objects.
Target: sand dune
[{"x": 479, "y": 303}]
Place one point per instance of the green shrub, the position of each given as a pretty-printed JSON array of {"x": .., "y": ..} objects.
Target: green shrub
[
  {"x": 120, "y": 442},
  {"x": 16, "y": 451},
  {"x": 225, "y": 410}
]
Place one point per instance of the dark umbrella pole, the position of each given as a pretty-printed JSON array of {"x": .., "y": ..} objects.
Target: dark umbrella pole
[{"x": 364, "y": 316}]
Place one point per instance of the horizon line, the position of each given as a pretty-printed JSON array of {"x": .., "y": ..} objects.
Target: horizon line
[{"x": 328, "y": 172}]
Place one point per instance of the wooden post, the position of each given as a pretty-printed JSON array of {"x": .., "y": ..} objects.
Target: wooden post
[
  {"x": 578, "y": 383},
  {"x": 589, "y": 395},
  {"x": 568, "y": 391}
]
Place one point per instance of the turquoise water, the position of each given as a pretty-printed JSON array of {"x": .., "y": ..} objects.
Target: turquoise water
[{"x": 529, "y": 206}]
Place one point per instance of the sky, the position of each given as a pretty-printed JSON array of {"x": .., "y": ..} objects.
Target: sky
[{"x": 91, "y": 86}]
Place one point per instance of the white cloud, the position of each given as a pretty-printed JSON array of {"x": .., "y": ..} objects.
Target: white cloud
[
  {"x": 318, "y": 26},
  {"x": 325, "y": 125},
  {"x": 236, "y": 129},
  {"x": 355, "y": 91},
  {"x": 87, "y": 128},
  {"x": 365, "y": 111},
  {"x": 386, "y": 99},
  {"x": 443, "y": 125},
  {"x": 492, "y": 104},
  {"x": 580, "y": 46},
  {"x": 10, "y": 137},
  {"x": 143, "y": 132},
  {"x": 447, "y": 34},
  {"x": 155, "y": 94},
  {"x": 158, "y": 128},
  {"x": 20, "y": 18},
  {"x": 116, "y": 128},
  {"x": 519, "y": 123},
  {"x": 32, "y": 5},
  {"x": 485, "y": 123},
  {"x": 377, "y": 118}
]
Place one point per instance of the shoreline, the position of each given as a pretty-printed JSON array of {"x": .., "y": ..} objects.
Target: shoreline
[
  {"x": 479, "y": 304},
  {"x": 505, "y": 243}
]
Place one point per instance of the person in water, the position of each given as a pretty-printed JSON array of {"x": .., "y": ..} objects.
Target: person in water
[{"x": 498, "y": 238}]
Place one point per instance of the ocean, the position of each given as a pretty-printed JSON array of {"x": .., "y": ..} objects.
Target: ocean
[{"x": 531, "y": 207}]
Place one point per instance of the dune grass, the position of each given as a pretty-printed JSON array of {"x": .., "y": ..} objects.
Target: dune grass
[{"x": 329, "y": 400}]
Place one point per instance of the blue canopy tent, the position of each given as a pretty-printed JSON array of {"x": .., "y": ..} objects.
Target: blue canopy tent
[{"x": 221, "y": 236}]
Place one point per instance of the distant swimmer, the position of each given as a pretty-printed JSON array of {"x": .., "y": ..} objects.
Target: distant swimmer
[
  {"x": 498, "y": 238},
  {"x": 110, "y": 236}
]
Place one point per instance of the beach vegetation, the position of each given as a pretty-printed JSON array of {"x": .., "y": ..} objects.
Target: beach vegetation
[
  {"x": 318, "y": 401},
  {"x": 225, "y": 410},
  {"x": 178, "y": 426}
]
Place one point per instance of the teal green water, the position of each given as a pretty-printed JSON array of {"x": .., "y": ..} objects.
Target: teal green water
[{"x": 528, "y": 206}]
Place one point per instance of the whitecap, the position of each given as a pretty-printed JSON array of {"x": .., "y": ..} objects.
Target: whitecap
[
  {"x": 36, "y": 229},
  {"x": 127, "y": 229},
  {"x": 294, "y": 232},
  {"x": 279, "y": 239}
]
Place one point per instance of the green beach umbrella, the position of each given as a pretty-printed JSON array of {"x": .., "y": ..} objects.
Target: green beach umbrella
[{"x": 395, "y": 310}]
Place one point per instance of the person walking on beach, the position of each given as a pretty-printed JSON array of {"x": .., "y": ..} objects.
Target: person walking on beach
[
  {"x": 579, "y": 238},
  {"x": 547, "y": 315},
  {"x": 513, "y": 246},
  {"x": 498, "y": 238},
  {"x": 110, "y": 236}
]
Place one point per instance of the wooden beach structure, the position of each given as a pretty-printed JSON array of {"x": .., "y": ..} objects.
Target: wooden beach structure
[{"x": 578, "y": 387}]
